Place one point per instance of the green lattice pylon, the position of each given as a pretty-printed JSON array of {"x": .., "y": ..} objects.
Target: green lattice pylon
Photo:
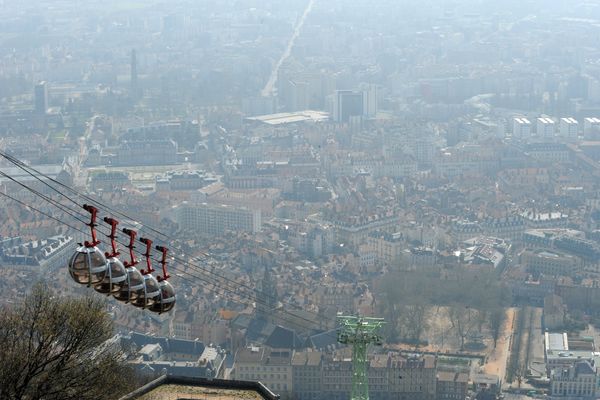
[{"x": 359, "y": 332}]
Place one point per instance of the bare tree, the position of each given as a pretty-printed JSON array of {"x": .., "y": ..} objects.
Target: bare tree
[
  {"x": 463, "y": 321},
  {"x": 56, "y": 348},
  {"x": 497, "y": 317},
  {"x": 416, "y": 318}
]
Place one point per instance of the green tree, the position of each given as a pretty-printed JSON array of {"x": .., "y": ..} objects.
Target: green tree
[{"x": 56, "y": 348}]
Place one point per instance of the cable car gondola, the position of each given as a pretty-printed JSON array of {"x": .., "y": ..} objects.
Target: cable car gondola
[
  {"x": 133, "y": 287},
  {"x": 116, "y": 274},
  {"x": 166, "y": 300},
  {"x": 87, "y": 266},
  {"x": 151, "y": 291}
]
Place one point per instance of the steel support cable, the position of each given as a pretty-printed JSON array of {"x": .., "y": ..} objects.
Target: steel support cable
[
  {"x": 42, "y": 212},
  {"x": 23, "y": 166},
  {"x": 277, "y": 319},
  {"x": 27, "y": 169},
  {"x": 70, "y": 211},
  {"x": 57, "y": 204},
  {"x": 291, "y": 319},
  {"x": 234, "y": 293},
  {"x": 100, "y": 228},
  {"x": 235, "y": 296},
  {"x": 217, "y": 287},
  {"x": 99, "y": 203}
]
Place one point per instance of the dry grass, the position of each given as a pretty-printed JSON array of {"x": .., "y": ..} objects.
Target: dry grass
[{"x": 174, "y": 392}]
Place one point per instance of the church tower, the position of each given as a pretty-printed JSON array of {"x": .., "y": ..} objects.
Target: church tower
[{"x": 266, "y": 296}]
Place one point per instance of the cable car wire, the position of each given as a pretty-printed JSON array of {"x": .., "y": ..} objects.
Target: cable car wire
[
  {"x": 233, "y": 295},
  {"x": 57, "y": 204},
  {"x": 99, "y": 203},
  {"x": 223, "y": 281},
  {"x": 201, "y": 269}
]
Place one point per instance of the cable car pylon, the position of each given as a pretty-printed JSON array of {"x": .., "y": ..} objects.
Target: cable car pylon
[{"x": 359, "y": 332}]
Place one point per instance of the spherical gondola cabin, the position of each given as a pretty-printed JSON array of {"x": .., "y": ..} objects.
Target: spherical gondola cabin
[
  {"x": 166, "y": 299},
  {"x": 132, "y": 288},
  {"x": 115, "y": 279},
  {"x": 150, "y": 294},
  {"x": 116, "y": 273},
  {"x": 87, "y": 266}
]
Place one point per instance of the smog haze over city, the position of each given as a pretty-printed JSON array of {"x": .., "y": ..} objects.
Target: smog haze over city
[{"x": 300, "y": 199}]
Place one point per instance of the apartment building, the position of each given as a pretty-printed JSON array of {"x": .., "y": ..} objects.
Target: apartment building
[
  {"x": 272, "y": 367},
  {"x": 551, "y": 262},
  {"x": 521, "y": 128},
  {"x": 181, "y": 325},
  {"x": 306, "y": 375},
  {"x": 391, "y": 376},
  {"x": 452, "y": 385},
  {"x": 407, "y": 377},
  {"x": 314, "y": 375},
  {"x": 40, "y": 255},
  {"x": 545, "y": 128},
  {"x": 569, "y": 128},
  {"x": 578, "y": 381},
  {"x": 216, "y": 219},
  {"x": 356, "y": 231},
  {"x": 388, "y": 246}
]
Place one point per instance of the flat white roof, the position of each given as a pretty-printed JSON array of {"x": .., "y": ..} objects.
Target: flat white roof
[
  {"x": 544, "y": 120},
  {"x": 289, "y": 118},
  {"x": 556, "y": 341},
  {"x": 569, "y": 120},
  {"x": 522, "y": 120}
]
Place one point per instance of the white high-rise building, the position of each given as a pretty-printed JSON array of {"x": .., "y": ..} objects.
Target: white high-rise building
[
  {"x": 521, "y": 128},
  {"x": 370, "y": 101},
  {"x": 593, "y": 90},
  {"x": 545, "y": 128},
  {"x": 216, "y": 219},
  {"x": 591, "y": 128},
  {"x": 569, "y": 128}
]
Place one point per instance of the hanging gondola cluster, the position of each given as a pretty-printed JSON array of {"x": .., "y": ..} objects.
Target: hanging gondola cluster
[{"x": 107, "y": 274}]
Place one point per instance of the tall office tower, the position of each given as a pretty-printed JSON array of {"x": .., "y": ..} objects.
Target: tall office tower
[
  {"x": 346, "y": 104},
  {"x": 593, "y": 90},
  {"x": 521, "y": 128},
  {"x": 298, "y": 96},
  {"x": 41, "y": 98},
  {"x": 545, "y": 128},
  {"x": 134, "y": 77},
  {"x": 569, "y": 128},
  {"x": 370, "y": 100},
  {"x": 591, "y": 128}
]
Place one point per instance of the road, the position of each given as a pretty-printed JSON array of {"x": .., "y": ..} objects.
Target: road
[
  {"x": 498, "y": 358},
  {"x": 270, "y": 86}
]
